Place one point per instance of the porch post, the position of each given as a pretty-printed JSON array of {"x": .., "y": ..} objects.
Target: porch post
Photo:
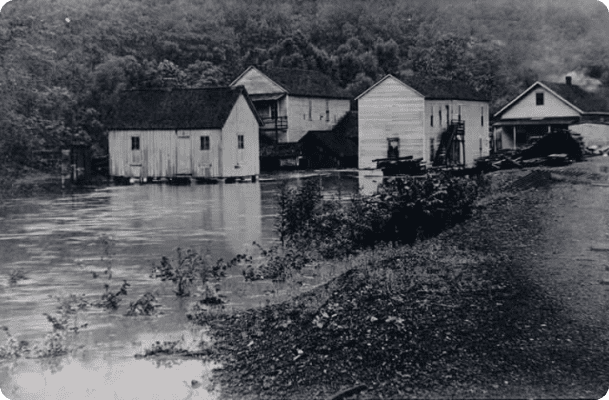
[{"x": 514, "y": 135}]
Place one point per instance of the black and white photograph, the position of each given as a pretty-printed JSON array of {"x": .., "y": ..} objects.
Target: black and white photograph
[{"x": 304, "y": 199}]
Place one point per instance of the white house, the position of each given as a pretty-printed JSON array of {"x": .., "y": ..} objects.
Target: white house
[
  {"x": 441, "y": 122},
  {"x": 547, "y": 106},
  {"x": 198, "y": 133},
  {"x": 292, "y": 102}
]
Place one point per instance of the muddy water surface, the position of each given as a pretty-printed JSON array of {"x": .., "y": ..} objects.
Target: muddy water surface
[{"x": 57, "y": 244}]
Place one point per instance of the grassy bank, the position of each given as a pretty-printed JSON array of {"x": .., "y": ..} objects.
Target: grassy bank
[{"x": 455, "y": 315}]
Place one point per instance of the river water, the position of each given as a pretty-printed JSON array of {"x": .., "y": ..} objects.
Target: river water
[{"x": 57, "y": 244}]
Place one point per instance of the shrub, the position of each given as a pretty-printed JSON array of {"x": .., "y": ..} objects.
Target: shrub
[
  {"x": 145, "y": 305},
  {"x": 401, "y": 211},
  {"x": 190, "y": 269},
  {"x": 110, "y": 300}
]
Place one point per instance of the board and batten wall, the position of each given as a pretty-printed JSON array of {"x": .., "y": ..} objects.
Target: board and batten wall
[
  {"x": 240, "y": 162},
  {"x": 390, "y": 110},
  {"x": 313, "y": 114},
  {"x": 162, "y": 153},
  {"x": 475, "y": 116},
  {"x": 169, "y": 153}
]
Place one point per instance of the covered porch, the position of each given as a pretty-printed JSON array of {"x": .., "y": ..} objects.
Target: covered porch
[{"x": 517, "y": 133}]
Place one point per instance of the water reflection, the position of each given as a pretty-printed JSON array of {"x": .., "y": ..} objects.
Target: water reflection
[{"x": 55, "y": 243}]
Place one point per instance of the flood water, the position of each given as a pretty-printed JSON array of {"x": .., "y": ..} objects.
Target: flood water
[{"x": 57, "y": 245}]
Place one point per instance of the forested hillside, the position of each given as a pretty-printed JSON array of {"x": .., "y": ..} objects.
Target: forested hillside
[{"x": 63, "y": 62}]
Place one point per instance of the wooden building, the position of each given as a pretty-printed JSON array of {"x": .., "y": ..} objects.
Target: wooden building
[
  {"x": 209, "y": 133},
  {"x": 443, "y": 123},
  {"x": 291, "y": 102},
  {"x": 548, "y": 106}
]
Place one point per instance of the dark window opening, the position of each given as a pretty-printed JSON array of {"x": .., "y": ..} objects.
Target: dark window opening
[
  {"x": 135, "y": 143},
  {"x": 393, "y": 148},
  {"x": 431, "y": 120},
  {"x": 240, "y": 142},
  {"x": 327, "y": 111},
  {"x": 481, "y": 116},
  {"x": 440, "y": 116},
  {"x": 539, "y": 99},
  {"x": 204, "y": 142}
]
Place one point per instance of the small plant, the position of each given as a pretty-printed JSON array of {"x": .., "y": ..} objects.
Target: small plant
[
  {"x": 145, "y": 305},
  {"x": 15, "y": 276},
  {"x": 111, "y": 300},
  {"x": 66, "y": 316},
  {"x": 191, "y": 269},
  {"x": 12, "y": 348}
]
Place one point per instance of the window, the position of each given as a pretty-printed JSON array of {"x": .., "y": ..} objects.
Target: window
[
  {"x": 204, "y": 142},
  {"x": 447, "y": 115},
  {"x": 539, "y": 99},
  {"x": 240, "y": 142},
  {"x": 327, "y": 110},
  {"x": 459, "y": 115},
  {"x": 440, "y": 116},
  {"x": 393, "y": 148},
  {"x": 431, "y": 119},
  {"x": 481, "y": 116},
  {"x": 135, "y": 142}
]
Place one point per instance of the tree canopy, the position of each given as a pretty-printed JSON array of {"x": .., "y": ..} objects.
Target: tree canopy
[{"x": 64, "y": 62}]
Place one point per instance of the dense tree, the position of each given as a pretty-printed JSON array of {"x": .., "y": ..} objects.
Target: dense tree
[{"x": 64, "y": 62}]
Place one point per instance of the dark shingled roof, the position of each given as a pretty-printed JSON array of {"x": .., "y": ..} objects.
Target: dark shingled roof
[
  {"x": 444, "y": 89},
  {"x": 585, "y": 101},
  {"x": 309, "y": 83},
  {"x": 205, "y": 108},
  {"x": 336, "y": 142}
]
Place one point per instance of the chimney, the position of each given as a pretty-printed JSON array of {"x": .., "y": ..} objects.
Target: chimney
[{"x": 568, "y": 80}]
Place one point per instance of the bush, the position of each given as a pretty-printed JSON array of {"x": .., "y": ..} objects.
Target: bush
[
  {"x": 190, "y": 269},
  {"x": 110, "y": 300},
  {"x": 401, "y": 211},
  {"x": 145, "y": 305}
]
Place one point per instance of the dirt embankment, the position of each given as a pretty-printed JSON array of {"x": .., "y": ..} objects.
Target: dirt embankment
[{"x": 509, "y": 304}]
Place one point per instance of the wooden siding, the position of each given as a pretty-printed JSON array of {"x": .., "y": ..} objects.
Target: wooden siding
[
  {"x": 476, "y": 128},
  {"x": 299, "y": 122},
  {"x": 390, "y": 110},
  {"x": 159, "y": 153},
  {"x": 167, "y": 153},
  {"x": 236, "y": 163},
  {"x": 526, "y": 107},
  {"x": 256, "y": 82}
]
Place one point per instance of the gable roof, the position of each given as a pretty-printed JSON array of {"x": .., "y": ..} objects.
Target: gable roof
[
  {"x": 436, "y": 89},
  {"x": 385, "y": 78},
  {"x": 204, "y": 108},
  {"x": 444, "y": 89},
  {"x": 580, "y": 98},
  {"x": 574, "y": 96},
  {"x": 336, "y": 142},
  {"x": 299, "y": 82}
]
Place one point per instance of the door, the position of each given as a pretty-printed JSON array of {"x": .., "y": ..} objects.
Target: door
[{"x": 184, "y": 163}]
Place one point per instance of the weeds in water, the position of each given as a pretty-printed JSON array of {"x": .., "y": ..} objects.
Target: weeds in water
[
  {"x": 15, "y": 276},
  {"x": 145, "y": 305},
  {"x": 12, "y": 348},
  {"x": 190, "y": 269},
  {"x": 111, "y": 300}
]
